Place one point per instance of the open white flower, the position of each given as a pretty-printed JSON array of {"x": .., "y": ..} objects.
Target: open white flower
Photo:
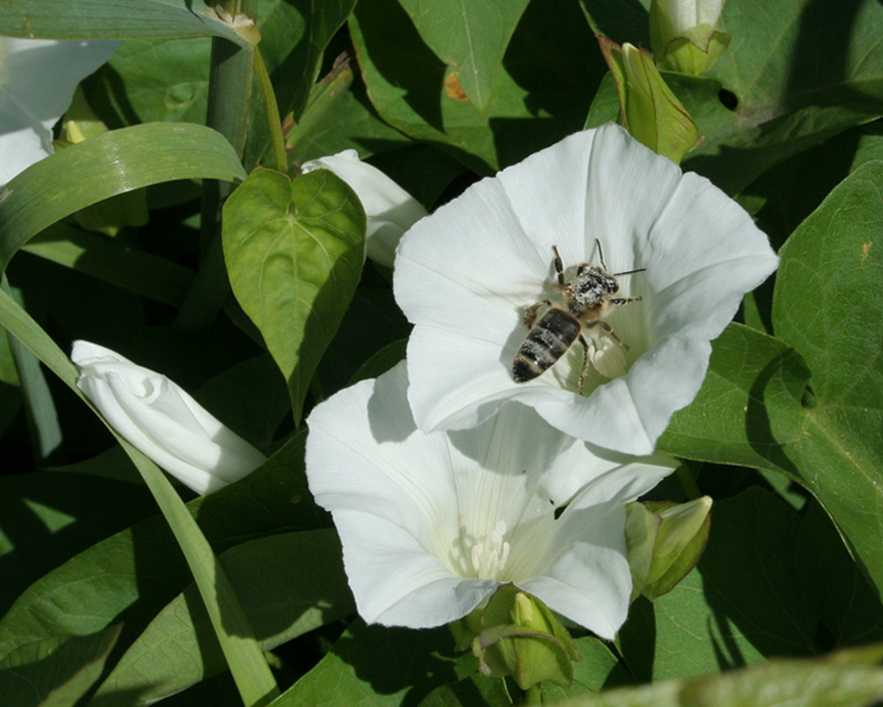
[
  {"x": 432, "y": 524},
  {"x": 38, "y": 78},
  {"x": 390, "y": 209},
  {"x": 163, "y": 421},
  {"x": 466, "y": 275}
]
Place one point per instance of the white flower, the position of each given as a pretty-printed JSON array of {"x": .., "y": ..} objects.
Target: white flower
[
  {"x": 390, "y": 209},
  {"x": 38, "y": 78},
  {"x": 465, "y": 276},
  {"x": 432, "y": 524},
  {"x": 684, "y": 15},
  {"x": 163, "y": 421}
]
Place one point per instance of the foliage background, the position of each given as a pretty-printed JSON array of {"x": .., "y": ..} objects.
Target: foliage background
[{"x": 786, "y": 433}]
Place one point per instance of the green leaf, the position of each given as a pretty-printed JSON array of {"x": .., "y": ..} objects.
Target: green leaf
[
  {"x": 539, "y": 94},
  {"x": 302, "y": 586},
  {"x": 56, "y": 671},
  {"x": 112, "y": 19},
  {"x": 843, "y": 680},
  {"x": 848, "y": 607},
  {"x": 800, "y": 75},
  {"x": 101, "y": 167},
  {"x": 828, "y": 305},
  {"x": 108, "y": 260},
  {"x": 470, "y": 38},
  {"x": 136, "y": 572},
  {"x": 750, "y": 377},
  {"x": 50, "y": 517},
  {"x": 470, "y": 691},
  {"x": 247, "y": 664},
  {"x": 294, "y": 251},
  {"x": 742, "y": 604},
  {"x": 314, "y": 24},
  {"x": 356, "y": 672}
]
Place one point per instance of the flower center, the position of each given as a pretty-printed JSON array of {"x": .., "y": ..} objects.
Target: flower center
[
  {"x": 489, "y": 554},
  {"x": 608, "y": 357}
]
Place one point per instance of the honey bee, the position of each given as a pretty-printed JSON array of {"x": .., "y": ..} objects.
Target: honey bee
[{"x": 587, "y": 298}]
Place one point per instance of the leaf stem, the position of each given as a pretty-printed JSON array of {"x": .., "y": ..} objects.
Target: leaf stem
[
  {"x": 688, "y": 483},
  {"x": 266, "y": 86}
]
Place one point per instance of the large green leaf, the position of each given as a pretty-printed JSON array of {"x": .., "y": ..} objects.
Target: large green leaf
[
  {"x": 108, "y": 260},
  {"x": 750, "y": 377},
  {"x": 112, "y": 19},
  {"x": 849, "y": 679},
  {"x": 301, "y": 586},
  {"x": 743, "y": 602},
  {"x": 470, "y": 38},
  {"x": 828, "y": 305},
  {"x": 815, "y": 415},
  {"x": 806, "y": 71},
  {"x": 50, "y": 517},
  {"x": 136, "y": 572},
  {"x": 103, "y": 166},
  {"x": 357, "y": 671},
  {"x": 294, "y": 251},
  {"x": 55, "y": 672},
  {"x": 539, "y": 94}
]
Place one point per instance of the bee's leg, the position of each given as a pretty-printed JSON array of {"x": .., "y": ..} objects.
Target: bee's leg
[
  {"x": 609, "y": 329},
  {"x": 530, "y": 314},
  {"x": 559, "y": 266},
  {"x": 585, "y": 366},
  {"x": 620, "y": 300}
]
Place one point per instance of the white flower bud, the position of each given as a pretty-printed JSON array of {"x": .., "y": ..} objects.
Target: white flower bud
[{"x": 163, "y": 421}]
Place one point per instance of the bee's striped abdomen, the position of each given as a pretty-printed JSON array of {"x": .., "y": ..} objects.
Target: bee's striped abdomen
[{"x": 546, "y": 342}]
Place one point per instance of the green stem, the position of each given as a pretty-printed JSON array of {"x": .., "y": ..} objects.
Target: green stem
[
  {"x": 273, "y": 118},
  {"x": 534, "y": 695},
  {"x": 688, "y": 482}
]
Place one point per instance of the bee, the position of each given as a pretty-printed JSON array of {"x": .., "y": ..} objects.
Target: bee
[{"x": 587, "y": 298}]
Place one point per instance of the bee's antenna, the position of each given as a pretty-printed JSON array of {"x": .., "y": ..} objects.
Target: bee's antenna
[{"x": 604, "y": 265}]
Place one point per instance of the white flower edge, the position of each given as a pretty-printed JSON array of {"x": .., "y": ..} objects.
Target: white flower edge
[
  {"x": 465, "y": 275},
  {"x": 162, "y": 420},
  {"x": 684, "y": 15},
  {"x": 415, "y": 511},
  {"x": 390, "y": 210},
  {"x": 38, "y": 78}
]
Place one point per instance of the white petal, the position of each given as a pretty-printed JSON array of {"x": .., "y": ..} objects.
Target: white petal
[
  {"x": 390, "y": 209},
  {"x": 163, "y": 421},
  {"x": 410, "y": 506},
  {"x": 467, "y": 273},
  {"x": 37, "y": 82}
]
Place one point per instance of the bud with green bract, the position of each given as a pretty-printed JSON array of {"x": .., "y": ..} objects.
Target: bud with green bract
[
  {"x": 684, "y": 34},
  {"x": 516, "y": 635},
  {"x": 648, "y": 108},
  {"x": 665, "y": 541}
]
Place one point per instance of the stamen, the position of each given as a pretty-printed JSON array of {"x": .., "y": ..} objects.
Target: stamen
[
  {"x": 489, "y": 554},
  {"x": 608, "y": 357}
]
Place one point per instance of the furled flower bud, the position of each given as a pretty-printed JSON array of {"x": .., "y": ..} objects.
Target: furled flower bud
[
  {"x": 665, "y": 541},
  {"x": 523, "y": 639},
  {"x": 649, "y": 109},
  {"x": 163, "y": 421},
  {"x": 684, "y": 34}
]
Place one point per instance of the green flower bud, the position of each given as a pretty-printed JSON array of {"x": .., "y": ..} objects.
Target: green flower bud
[
  {"x": 665, "y": 541},
  {"x": 108, "y": 216},
  {"x": 521, "y": 638},
  {"x": 684, "y": 34},
  {"x": 648, "y": 108}
]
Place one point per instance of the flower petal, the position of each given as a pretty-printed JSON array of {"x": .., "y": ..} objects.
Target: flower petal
[
  {"x": 465, "y": 276},
  {"x": 416, "y": 511},
  {"x": 38, "y": 78}
]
